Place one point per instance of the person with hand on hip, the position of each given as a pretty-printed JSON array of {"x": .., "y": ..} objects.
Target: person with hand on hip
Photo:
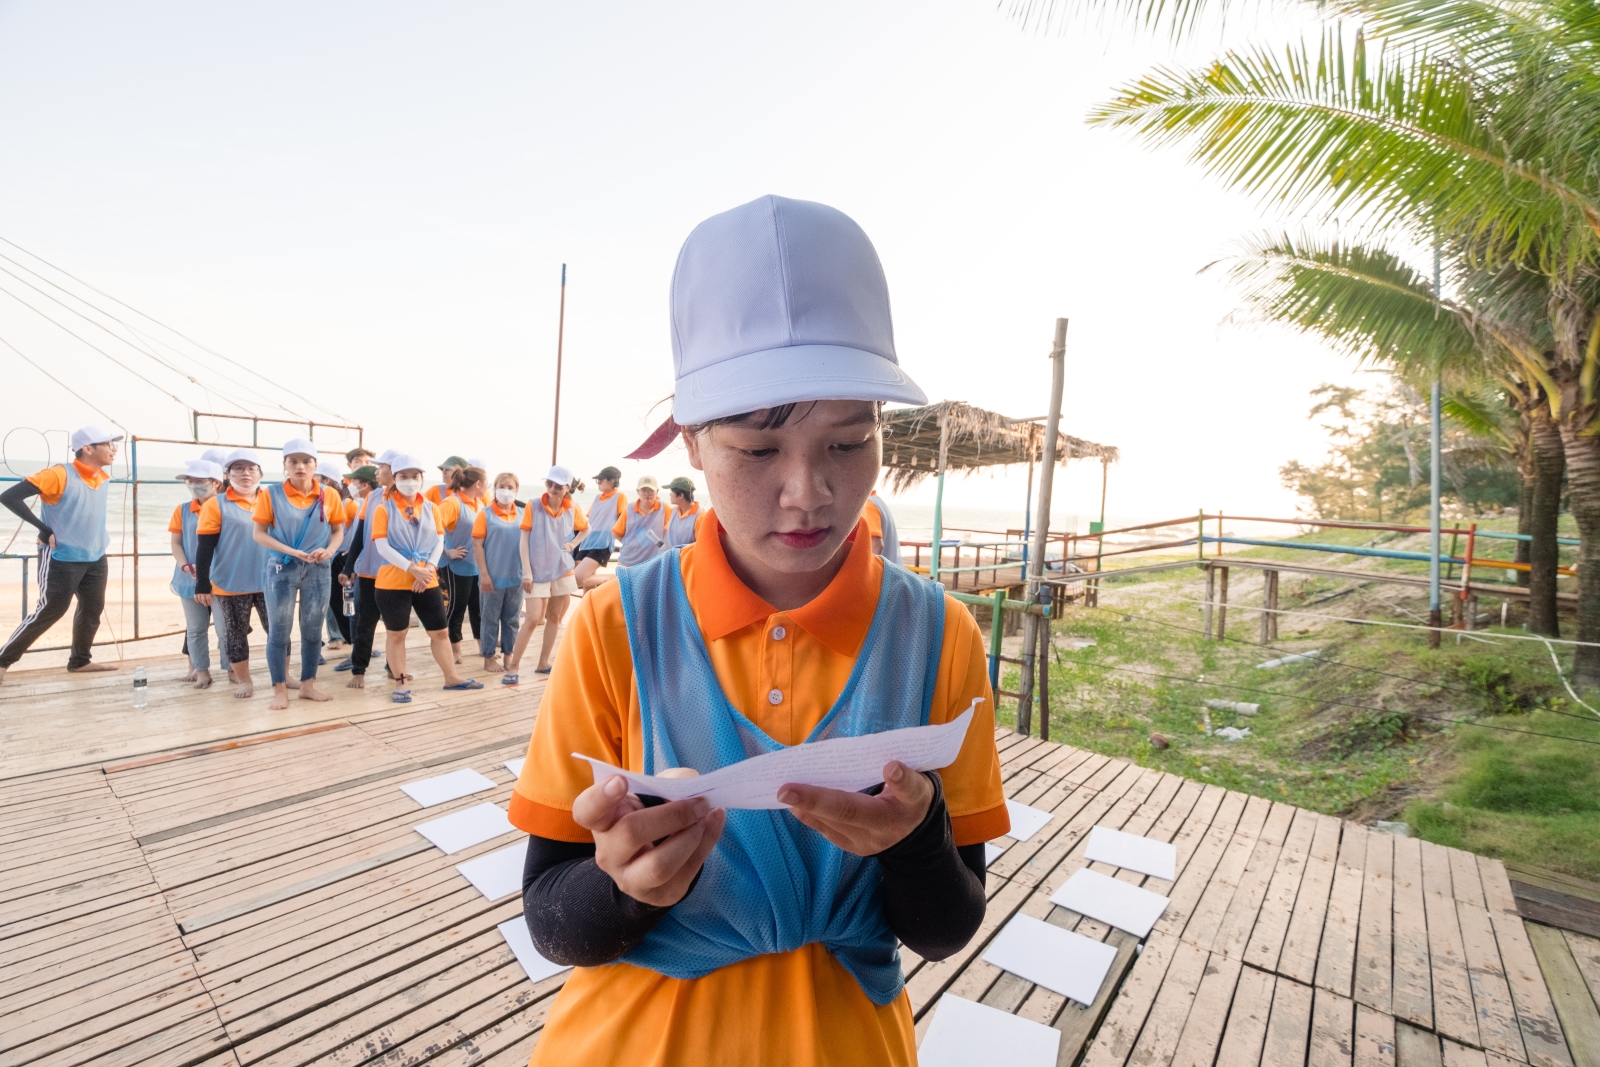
[
  {"x": 231, "y": 565},
  {"x": 300, "y": 522},
  {"x": 760, "y": 937},
  {"x": 551, "y": 528},
  {"x": 72, "y": 546},
  {"x": 594, "y": 551},
  {"x": 204, "y": 480}
]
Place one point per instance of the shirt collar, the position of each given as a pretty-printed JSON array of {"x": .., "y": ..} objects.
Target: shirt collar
[
  {"x": 608, "y": 496},
  {"x": 566, "y": 502},
  {"x": 839, "y": 616},
  {"x": 91, "y": 475},
  {"x": 509, "y": 511},
  {"x": 694, "y": 509},
  {"x": 637, "y": 506}
]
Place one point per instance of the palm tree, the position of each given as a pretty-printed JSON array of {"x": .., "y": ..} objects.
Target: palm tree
[
  {"x": 1470, "y": 124},
  {"x": 1366, "y": 302}
]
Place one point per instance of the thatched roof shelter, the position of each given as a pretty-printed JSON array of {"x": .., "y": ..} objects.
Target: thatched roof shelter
[{"x": 972, "y": 438}]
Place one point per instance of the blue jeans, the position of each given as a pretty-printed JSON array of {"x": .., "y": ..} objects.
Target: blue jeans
[
  {"x": 310, "y": 580},
  {"x": 500, "y": 611},
  {"x": 196, "y": 617}
]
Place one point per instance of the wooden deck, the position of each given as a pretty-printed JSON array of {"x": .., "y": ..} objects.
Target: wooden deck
[{"x": 269, "y": 903}]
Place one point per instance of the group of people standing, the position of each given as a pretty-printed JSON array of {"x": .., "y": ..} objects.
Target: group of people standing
[{"x": 353, "y": 548}]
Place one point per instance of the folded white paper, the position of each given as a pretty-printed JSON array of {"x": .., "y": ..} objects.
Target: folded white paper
[
  {"x": 964, "y": 1033},
  {"x": 515, "y": 767},
  {"x": 991, "y": 852},
  {"x": 1059, "y": 960},
  {"x": 452, "y": 786},
  {"x": 535, "y": 966},
  {"x": 496, "y": 874},
  {"x": 849, "y": 763},
  {"x": 463, "y": 829},
  {"x": 1132, "y": 852},
  {"x": 1025, "y": 821},
  {"x": 1127, "y": 907}
]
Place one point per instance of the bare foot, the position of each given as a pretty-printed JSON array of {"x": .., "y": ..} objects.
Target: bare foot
[
  {"x": 202, "y": 679},
  {"x": 280, "y": 698},
  {"x": 492, "y": 663},
  {"x": 244, "y": 690},
  {"x": 191, "y": 675},
  {"x": 292, "y": 684},
  {"x": 309, "y": 691},
  {"x": 92, "y": 668},
  {"x": 2, "y": 675},
  {"x": 334, "y": 645},
  {"x": 357, "y": 681}
]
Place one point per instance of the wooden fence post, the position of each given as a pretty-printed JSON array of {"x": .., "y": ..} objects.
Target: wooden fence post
[
  {"x": 1222, "y": 604},
  {"x": 1269, "y": 607},
  {"x": 1211, "y": 597}
]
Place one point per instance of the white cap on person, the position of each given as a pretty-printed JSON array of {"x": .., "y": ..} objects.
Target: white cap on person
[
  {"x": 219, "y": 456},
  {"x": 480, "y": 464},
  {"x": 84, "y": 436},
  {"x": 780, "y": 301},
  {"x": 386, "y": 458},
  {"x": 330, "y": 470},
  {"x": 400, "y": 461},
  {"x": 560, "y": 475},
  {"x": 647, "y": 481},
  {"x": 299, "y": 446},
  {"x": 203, "y": 468},
  {"x": 242, "y": 455}
]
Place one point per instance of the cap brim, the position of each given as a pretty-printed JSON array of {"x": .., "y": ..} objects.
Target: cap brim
[{"x": 791, "y": 375}]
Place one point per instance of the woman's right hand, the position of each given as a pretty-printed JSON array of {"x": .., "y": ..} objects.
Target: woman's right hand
[
  {"x": 486, "y": 583},
  {"x": 344, "y": 579},
  {"x": 653, "y": 854},
  {"x": 527, "y": 585},
  {"x": 203, "y": 599}
]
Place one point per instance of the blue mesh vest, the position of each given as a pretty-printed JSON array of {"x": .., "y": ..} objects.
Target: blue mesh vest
[
  {"x": 367, "y": 560},
  {"x": 773, "y": 884},
  {"x": 603, "y": 515},
  {"x": 891, "y": 534},
  {"x": 306, "y": 529},
  {"x": 546, "y": 536},
  {"x": 189, "y": 518},
  {"x": 460, "y": 536},
  {"x": 680, "y": 528},
  {"x": 502, "y": 547},
  {"x": 239, "y": 565},
  {"x": 413, "y": 539},
  {"x": 637, "y": 544},
  {"x": 78, "y": 519}
]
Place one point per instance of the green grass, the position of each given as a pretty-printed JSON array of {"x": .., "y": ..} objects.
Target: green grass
[{"x": 1378, "y": 727}]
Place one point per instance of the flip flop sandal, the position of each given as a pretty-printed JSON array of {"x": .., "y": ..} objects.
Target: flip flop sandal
[
  {"x": 509, "y": 678},
  {"x": 543, "y": 670},
  {"x": 400, "y": 696},
  {"x": 470, "y": 683},
  {"x": 347, "y": 664}
]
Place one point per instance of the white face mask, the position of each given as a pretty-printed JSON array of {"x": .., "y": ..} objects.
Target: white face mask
[
  {"x": 505, "y": 496},
  {"x": 201, "y": 490},
  {"x": 409, "y": 486}
]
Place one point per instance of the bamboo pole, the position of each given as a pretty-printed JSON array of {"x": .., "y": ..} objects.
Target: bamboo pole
[
  {"x": 938, "y": 500},
  {"x": 561, "y": 334},
  {"x": 1041, "y": 529}
]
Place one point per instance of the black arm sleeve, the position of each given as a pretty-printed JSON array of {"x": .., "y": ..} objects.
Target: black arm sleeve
[
  {"x": 932, "y": 891},
  {"x": 575, "y": 912},
  {"x": 353, "y": 549},
  {"x": 202, "y": 562},
  {"x": 15, "y": 499}
]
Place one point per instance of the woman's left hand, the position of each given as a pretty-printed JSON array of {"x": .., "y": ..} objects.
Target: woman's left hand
[
  {"x": 572, "y": 544},
  {"x": 862, "y": 824},
  {"x": 456, "y": 553}
]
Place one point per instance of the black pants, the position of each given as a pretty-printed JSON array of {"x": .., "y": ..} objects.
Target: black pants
[
  {"x": 366, "y": 625},
  {"x": 236, "y": 629},
  {"x": 336, "y": 600},
  {"x": 59, "y": 582},
  {"x": 461, "y": 598}
]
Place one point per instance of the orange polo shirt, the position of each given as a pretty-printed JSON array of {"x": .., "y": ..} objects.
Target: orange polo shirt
[
  {"x": 620, "y": 1013},
  {"x": 176, "y": 524},
  {"x": 52, "y": 481},
  {"x": 352, "y": 509},
  {"x": 390, "y": 576},
  {"x": 210, "y": 521},
  {"x": 622, "y": 516},
  {"x": 450, "y": 512},
  {"x": 332, "y": 506},
  {"x": 480, "y": 527},
  {"x": 874, "y": 519},
  {"x": 580, "y": 521},
  {"x": 438, "y": 494}
]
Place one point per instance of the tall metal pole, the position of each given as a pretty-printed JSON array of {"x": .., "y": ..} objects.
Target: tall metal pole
[
  {"x": 561, "y": 333},
  {"x": 1041, "y": 528},
  {"x": 1435, "y": 615},
  {"x": 938, "y": 500}
]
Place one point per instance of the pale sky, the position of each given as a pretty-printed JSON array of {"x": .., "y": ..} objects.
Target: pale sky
[{"x": 371, "y": 203}]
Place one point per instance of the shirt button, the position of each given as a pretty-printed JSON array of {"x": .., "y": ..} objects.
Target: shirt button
[
  {"x": 779, "y": 633},
  {"x": 775, "y": 696}
]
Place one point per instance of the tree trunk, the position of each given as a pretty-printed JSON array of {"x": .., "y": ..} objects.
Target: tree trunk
[
  {"x": 1583, "y": 481},
  {"x": 1524, "y": 520},
  {"x": 1549, "y": 464}
]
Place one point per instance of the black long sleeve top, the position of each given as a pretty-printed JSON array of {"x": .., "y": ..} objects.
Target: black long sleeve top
[
  {"x": 16, "y": 497},
  {"x": 933, "y": 895}
]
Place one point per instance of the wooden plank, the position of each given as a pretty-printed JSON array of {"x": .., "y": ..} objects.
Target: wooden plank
[
  {"x": 1574, "y": 1004},
  {"x": 1289, "y": 1025},
  {"x": 1158, "y": 1040},
  {"x": 1125, "y": 1020},
  {"x": 1415, "y": 1047},
  {"x": 1277, "y": 906},
  {"x": 1246, "y": 1031},
  {"x": 1586, "y": 954},
  {"x": 1374, "y": 1038},
  {"x": 1374, "y": 974},
  {"x": 1076, "y": 1021},
  {"x": 1298, "y": 960},
  {"x": 1491, "y": 994},
  {"x": 1453, "y": 1013},
  {"x": 1412, "y": 991},
  {"x": 1332, "y": 1029},
  {"x": 1336, "y": 959},
  {"x": 1536, "y": 1014},
  {"x": 1208, "y": 1014}
]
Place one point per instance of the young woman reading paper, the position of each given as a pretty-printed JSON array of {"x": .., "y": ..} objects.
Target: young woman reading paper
[{"x": 760, "y": 937}]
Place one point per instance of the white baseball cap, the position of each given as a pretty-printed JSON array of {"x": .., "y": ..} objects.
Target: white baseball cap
[
  {"x": 776, "y": 302},
  {"x": 243, "y": 455},
  {"x": 560, "y": 475},
  {"x": 330, "y": 470},
  {"x": 203, "y": 468},
  {"x": 387, "y": 456},
  {"x": 219, "y": 456},
  {"x": 299, "y": 446},
  {"x": 480, "y": 464},
  {"x": 648, "y": 481},
  {"x": 84, "y": 436},
  {"x": 399, "y": 461}
]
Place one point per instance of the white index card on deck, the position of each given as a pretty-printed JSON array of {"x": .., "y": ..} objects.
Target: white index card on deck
[
  {"x": 965, "y": 1032},
  {"x": 452, "y": 786},
  {"x": 463, "y": 829},
  {"x": 535, "y": 966},
  {"x": 496, "y": 874},
  {"x": 1025, "y": 821},
  {"x": 1113, "y": 902},
  {"x": 848, "y": 763},
  {"x": 1131, "y": 852},
  {"x": 515, "y": 766},
  {"x": 991, "y": 852},
  {"x": 1060, "y": 960}
]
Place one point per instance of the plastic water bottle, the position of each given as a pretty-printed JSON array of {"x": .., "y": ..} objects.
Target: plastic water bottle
[
  {"x": 141, "y": 688},
  {"x": 349, "y": 595}
]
